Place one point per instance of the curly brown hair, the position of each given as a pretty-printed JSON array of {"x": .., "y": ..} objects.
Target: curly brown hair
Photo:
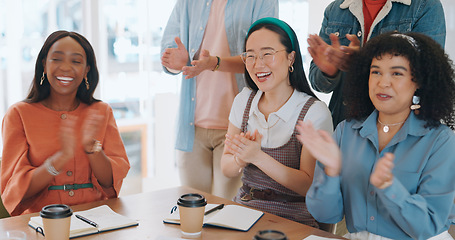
[{"x": 431, "y": 69}]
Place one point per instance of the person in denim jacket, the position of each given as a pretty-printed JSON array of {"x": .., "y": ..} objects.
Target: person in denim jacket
[{"x": 345, "y": 26}]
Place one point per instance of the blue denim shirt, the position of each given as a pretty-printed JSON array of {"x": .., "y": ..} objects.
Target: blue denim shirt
[
  {"x": 424, "y": 16},
  {"x": 188, "y": 21},
  {"x": 418, "y": 204}
]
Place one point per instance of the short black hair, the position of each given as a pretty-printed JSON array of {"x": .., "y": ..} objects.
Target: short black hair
[
  {"x": 39, "y": 92},
  {"x": 431, "y": 69},
  {"x": 297, "y": 78}
]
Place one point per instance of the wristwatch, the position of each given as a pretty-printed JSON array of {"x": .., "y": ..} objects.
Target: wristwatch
[{"x": 96, "y": 147}]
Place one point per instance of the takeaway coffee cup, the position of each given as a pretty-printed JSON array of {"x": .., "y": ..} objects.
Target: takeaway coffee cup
[
  {"x": 191, "y": 209},
  {"x": 56, "y": 221},
  {"x": 270, "y": 235}
]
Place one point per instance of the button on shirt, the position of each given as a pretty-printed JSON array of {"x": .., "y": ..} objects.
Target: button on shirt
[
  {"x": 277, "y": 130},
  {"x": 420, "y": 200}
]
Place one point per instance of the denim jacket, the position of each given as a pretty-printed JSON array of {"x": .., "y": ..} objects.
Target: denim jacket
[
  {"x": 343, "y": 17},
  {"x": 188, "y": 21}
]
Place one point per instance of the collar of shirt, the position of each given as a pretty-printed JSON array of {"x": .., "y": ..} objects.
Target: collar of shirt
[
  {"x": 284, "y": 113},
  {"x": 413, "y": 126}
]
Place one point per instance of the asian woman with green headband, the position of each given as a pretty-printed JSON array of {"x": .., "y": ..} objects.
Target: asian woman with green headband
[{"x": 261, "y": 140}]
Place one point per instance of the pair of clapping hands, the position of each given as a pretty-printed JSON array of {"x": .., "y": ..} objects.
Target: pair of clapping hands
[
  {"x": 324, "y": 148},
  {"x": 89, "y": 129},
  {"x": 176, "y": 59},
  {"x": 332, "y": 58},
  {"x": 244, "y": 146}
]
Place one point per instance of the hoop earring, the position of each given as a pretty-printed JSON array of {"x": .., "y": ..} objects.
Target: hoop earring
[
  {"x": 86, "y": 84},
  {"x": 42, "y": 79},
  {"x": 291, "y": 68},
  {"x": 415, "y": 104}
]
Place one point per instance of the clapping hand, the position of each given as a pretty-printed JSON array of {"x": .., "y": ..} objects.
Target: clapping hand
[
  {"x": 175, "y": 58},
  {"x": 90, "y": 127},
  {"x": 322, "y": 146},
  {"x": 203, "y": 63},
  {"x": 382, "y": 176},
  {"x": 67, "y": 138},
  {"x": 332, "y": 58},
  {"x": 244, "y": 146}
]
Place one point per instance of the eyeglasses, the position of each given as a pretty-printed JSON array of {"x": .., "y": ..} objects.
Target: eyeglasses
[{"x": 267, "y": 56}]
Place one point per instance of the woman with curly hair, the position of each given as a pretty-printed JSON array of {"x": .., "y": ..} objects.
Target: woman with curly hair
[{"x": 389, "y": 167}]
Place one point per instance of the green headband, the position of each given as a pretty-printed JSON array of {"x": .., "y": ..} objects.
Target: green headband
[{"x": 277, "y": 22}]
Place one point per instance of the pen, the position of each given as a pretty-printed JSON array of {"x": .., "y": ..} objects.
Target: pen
[
  {"x": 173, "y": 209},
  {"x": 87, "y": 220},
  {"x": 214, "y": 209}
]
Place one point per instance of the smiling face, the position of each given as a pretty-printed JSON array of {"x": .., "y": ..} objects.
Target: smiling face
[
  {"x": 66, "y": 67},
  {"x": 268, "y": 75},
  {"x": 390, "y": 85}
]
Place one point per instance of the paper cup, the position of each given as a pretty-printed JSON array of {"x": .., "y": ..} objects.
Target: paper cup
[
  {"x": 56, "y": 221},
  {"x": 191, "y": 209}
]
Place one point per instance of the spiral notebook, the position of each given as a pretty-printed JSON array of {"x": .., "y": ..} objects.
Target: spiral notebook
[
  {"x": 103, "y": 216},
  {"x": 233, "y": 217}
]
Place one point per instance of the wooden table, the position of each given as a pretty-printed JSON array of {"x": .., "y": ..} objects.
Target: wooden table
[{"x": 149, "y": 208}]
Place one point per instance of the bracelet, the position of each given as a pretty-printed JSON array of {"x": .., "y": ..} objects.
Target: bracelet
[
  {"x": 50, "y": 169},
  {"x": 218, "y": 59},
  {"x": 95, "y": 148}
]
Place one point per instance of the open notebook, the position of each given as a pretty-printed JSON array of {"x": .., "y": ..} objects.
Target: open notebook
[
  {"x": 104, "y": 216},
  {"x": 234, "y": 217}
]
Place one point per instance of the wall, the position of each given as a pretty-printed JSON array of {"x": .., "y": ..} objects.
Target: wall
[{"x": 449, "y": 12}]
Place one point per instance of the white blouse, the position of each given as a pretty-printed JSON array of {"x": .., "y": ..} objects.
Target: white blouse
[{"x": 280, "y": 125}]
